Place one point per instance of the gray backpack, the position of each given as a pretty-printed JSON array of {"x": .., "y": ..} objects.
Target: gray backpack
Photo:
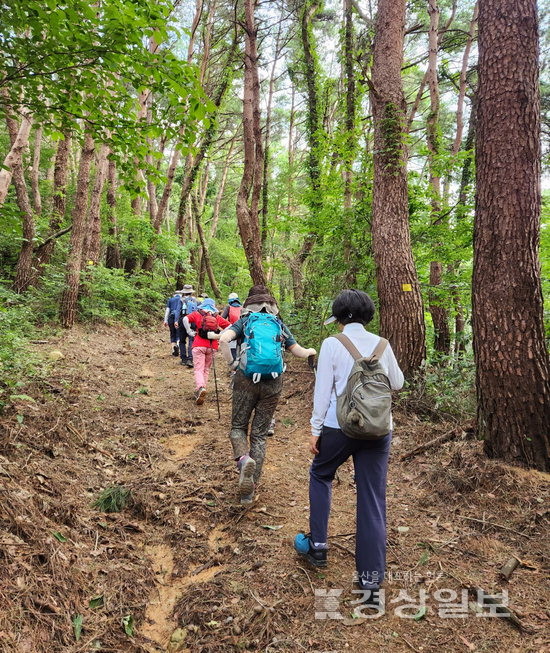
[{"x": 364, "y": 408}]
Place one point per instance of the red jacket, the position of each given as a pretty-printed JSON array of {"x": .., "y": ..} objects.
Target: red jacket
[{"x": 195, "y": 318}]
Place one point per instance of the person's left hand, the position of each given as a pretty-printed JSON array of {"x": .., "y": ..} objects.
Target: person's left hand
[{"x": 314, "y": 444}]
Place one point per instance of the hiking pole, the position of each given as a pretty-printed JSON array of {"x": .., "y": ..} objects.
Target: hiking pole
[{"x": 216, "y": 381}]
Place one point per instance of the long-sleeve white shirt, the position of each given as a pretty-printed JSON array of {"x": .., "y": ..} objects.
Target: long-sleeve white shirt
[{"x": 334, "y": 367}]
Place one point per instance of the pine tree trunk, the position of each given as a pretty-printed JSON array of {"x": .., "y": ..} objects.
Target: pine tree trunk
[
  {"x": 437, "y": 302},
  {"x": 401, "y": 312},
  {"x": 60, "y": 178},
  {"x": 251, "y": 183},
  {"x": 35, "y": 176},
  {"x": 314, "y": 127},
  {"x": 350, "y": 276},
  {"x": 112, "y": 254},
  {"x": 513, "y": 368},
  {"x": 221, "y": 189},
  {"x": 69, "y": 297},
  {"x": 93, "y": 243},
  {"x": 24, "y": 271},
  {"x": 205, "y": 256},
  {"x": 267, "y": 132}
]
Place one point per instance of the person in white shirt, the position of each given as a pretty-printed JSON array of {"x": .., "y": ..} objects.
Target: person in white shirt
[{"x": 352, "y": 309}]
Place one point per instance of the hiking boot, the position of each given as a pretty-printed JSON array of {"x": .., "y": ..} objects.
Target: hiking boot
[
  {"x": 175, "y": 350},
  {"x": 372, "y": 598},
  {"x": 247, "y": 499},
  {"x": 189, "y": 362},
  {"x": 183, "y": 363},
  {"x": 304, "y": 547},
  {"x": 247, "y": 466},
  {"x": 200, "y": 396},
  {"x": 271, "y": 429}
]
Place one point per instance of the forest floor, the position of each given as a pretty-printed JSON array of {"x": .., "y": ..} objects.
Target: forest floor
[{"x": 185, "y": 568}]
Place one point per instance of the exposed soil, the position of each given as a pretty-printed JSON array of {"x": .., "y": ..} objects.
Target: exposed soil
[{"x": 185, "y": 568}]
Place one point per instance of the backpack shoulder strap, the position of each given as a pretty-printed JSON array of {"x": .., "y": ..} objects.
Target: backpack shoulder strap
[
  {"x": 379, "y": 349},
  {"x": 348, "y": 344}
]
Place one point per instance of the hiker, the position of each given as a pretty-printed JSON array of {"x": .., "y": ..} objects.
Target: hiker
[
  {"x": 352, "y": 309},
  {"x": 188, "y": 305},
  {"x": 257, "y": 382},
  {"x": 232, "y": 312},
  {"x": 203, "y": 325},
  {"x": 173, "y": 307}
]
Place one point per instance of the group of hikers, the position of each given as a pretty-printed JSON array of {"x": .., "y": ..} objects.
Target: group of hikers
[{"x": 355, "y": 375}]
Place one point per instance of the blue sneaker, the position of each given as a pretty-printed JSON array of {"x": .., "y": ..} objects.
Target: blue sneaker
[{"x": 304, "y": 547}]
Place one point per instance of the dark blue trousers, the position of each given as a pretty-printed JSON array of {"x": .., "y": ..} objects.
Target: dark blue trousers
[
  {"x": 370, "y": 459},
  {"x": 186, "y": 344},
  {"x": 173, "y": 330}
]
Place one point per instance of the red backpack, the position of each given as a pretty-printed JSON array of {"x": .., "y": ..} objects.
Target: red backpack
[
  {"x": 234, "y": 313},
  {"x": 208, "y": 323}
]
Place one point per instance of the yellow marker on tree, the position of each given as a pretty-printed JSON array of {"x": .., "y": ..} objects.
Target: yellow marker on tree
[{"x": 407, "y": 287}]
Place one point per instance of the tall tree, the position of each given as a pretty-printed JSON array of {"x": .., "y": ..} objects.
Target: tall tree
[
  {"x": 438, "y": 310},
  {"x": 60, "y": 178},
  {"x": 112, "y": 253},
  {"x": 401, "y": 312},
  {"x": 69, "y": 297},
  {"x": 314, "y": 131},
  {"x": 350, "y": 140},
  {"x": 248, "y": 197},
  {"x": 513, "y": 369}
]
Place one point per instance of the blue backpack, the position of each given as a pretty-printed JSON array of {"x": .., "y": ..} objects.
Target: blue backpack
[
  {"x": 261, "y": 353},
  {"x": 188, "y": 306}
]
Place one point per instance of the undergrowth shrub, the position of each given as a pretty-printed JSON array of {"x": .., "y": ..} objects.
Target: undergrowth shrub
[
  {"x": 17, "y": 363},
  {"x": 445, "y": 391}
]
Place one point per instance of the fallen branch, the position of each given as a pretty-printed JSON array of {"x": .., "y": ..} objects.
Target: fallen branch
[
  {"x": 344, "y": 548},
  {"x": 504, "y": 610},
  {"x": 309, "y": 579},
  {"x": 432, "y": 443},
  {"x": 492, "y": 523}
]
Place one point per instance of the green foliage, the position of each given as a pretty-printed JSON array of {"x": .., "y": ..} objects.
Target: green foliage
[
  {"x": 17, "y": 363},
  {"x": 111, "y": 296},
  {"x": 74, "y": 61},
  {"x": 446, "y": 390},
  {"x": 113, "y": 499}
]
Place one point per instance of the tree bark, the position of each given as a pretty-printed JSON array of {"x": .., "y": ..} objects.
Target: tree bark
[
  {"x": 69, "y": 297},
  {"x": 401, "y": 311},
  {"x": 112, "y": 254},
  {"x": 437, "y": 302},
  {"x": 251, "y": 183},
  {"x": 205, "y": 256},
  {"x": 15, "y": 156},
  {"x": 267, "y": 133},
  {"x": 350, "y": 275},
  {"x": 221, "y": 189},
  {"x": 35, "y": 176},
  {"x": 60, "y": 178},
  {"x": 194, "y": 164},
  {"x": 24, "y": 271},
  {"x": 314, "y": 128},
  {"x": 512, "y": 364},
  {"x": 93, "y": 241}
]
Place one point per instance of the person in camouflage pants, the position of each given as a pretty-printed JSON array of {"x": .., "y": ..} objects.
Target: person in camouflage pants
[{"x": 259, "y": 398}]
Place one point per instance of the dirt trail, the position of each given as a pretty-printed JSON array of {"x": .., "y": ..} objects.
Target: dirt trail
[{"x": 185, "y": 568}]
